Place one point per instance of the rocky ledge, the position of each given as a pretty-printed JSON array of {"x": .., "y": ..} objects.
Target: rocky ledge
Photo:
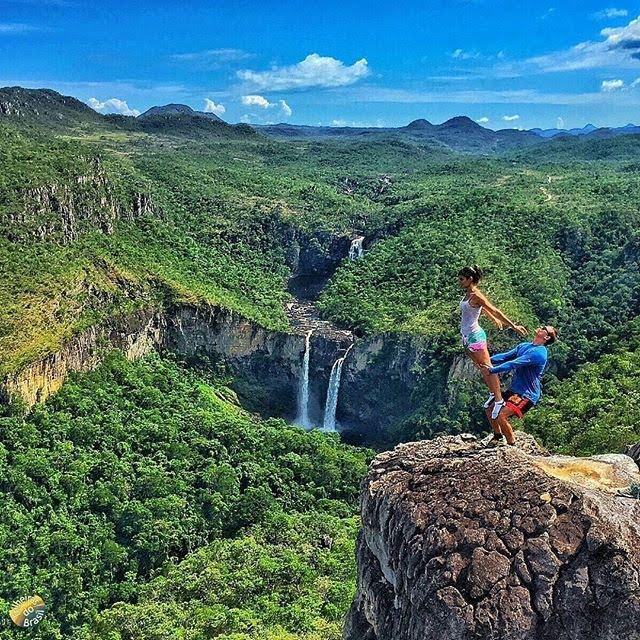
[{"x": 460, "y": 541}]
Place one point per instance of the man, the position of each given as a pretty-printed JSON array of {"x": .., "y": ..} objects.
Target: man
[{"x": 527, "y": 361}]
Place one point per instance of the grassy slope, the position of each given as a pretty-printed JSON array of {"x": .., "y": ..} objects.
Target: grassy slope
[{"x": 216, "y": 237}]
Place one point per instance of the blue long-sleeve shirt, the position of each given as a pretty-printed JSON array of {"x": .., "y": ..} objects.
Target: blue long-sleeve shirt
[{"x": 527, "y": 361}]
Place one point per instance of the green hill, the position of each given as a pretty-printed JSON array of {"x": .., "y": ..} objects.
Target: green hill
[{"x": 45, "y": 108}]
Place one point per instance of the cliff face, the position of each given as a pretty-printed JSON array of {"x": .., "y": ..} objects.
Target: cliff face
[
  {"x": 266, "y": 365},
  {"x": 384, "y": 381},
  {"x": 461, "y": 542},
  {"x": 64, "y": 210},
  {"x": 135, "y": 336},
  {"x": 378, "y": 380}
]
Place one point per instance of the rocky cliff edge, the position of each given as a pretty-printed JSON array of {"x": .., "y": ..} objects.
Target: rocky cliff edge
[{"x": 460, "y": 541}]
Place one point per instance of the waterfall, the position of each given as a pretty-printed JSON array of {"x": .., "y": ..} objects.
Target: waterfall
[
  {"x": 303, "y": 390},
  {"x": 329, "y": 423},
  {"x": 355, "y": 250}
]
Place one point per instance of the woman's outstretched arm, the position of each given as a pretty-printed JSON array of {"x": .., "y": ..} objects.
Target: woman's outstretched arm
[
  {"x": 493, "y": 319},
  {"x": 481, "y": 300}
]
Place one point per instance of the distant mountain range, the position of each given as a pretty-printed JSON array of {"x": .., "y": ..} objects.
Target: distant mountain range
[
  {"x": 588, "y": 130},
  {"x": 458, "y": 134}
]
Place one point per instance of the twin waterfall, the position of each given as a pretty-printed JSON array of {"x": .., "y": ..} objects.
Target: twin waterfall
[{"x": 329, "y": 420}]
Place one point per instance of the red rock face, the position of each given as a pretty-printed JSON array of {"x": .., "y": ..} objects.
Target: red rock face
[{"x": 464, "y": 542}]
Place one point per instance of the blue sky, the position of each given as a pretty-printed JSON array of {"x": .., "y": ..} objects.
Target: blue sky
[{"x": 503, "y": 64}]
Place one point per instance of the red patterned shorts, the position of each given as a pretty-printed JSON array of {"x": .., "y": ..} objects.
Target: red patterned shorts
[{"x": 517, "y": 403}]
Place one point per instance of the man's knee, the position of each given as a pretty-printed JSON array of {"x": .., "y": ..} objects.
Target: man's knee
[{"x": 506, "y": 414}]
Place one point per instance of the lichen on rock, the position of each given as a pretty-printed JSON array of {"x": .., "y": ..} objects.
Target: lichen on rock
[{"x": 461, "y": 541}]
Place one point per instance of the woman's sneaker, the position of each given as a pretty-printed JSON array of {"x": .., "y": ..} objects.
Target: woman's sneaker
[
  {"x": 490, "y": 399},
  {"x": 497, "y": 408}
]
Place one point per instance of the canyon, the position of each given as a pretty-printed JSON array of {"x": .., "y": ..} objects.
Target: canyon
[{"x": 358, "y": 386}]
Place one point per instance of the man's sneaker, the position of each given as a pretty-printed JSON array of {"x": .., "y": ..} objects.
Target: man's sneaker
[
  {"x": 496, "y": 441},
  {"x": 497, "y": 407},
  {"x": 487, "y": 404}
]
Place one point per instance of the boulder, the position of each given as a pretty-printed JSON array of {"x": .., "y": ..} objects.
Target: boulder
[{"x": 461, "y": 541}]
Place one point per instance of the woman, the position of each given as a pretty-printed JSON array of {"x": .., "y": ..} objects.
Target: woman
[{"x": 474, "y": 338}]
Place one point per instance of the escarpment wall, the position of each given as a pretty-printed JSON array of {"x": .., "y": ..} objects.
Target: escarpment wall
[
  {"x": 382, "y": 384},
  {"x": 266, "y": 364},
  {"x": 136, "y": 335},
  {"x": 64, "y": 210}
]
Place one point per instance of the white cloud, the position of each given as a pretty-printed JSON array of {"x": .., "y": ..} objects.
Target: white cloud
[
  {"x": 261, "y": 102},
  {"x": 607, "y": 14},
  {"x": 313, "y": 71},
  {"x": 211, "y": 107},
  {"x": 482, "y": 120},
  {"x": 560, "y": 123},
  {"x": 460, "y": 54},
  {"x": 339, "y": 123},
  {"x": 485, "y": 96},
  {"x": 620, "y": 48},
  {"x": 257, "y": 101},
  {"x": 511, "y": 118},
  {"x": 16, "y": 27},
  {"x": 113, "y": 105},
  {"x": 246, "y": 118},
  {"x": 213, "y": 58},
  {"x": 611, "y": 85},
  {"x": 286, "y": 109}
]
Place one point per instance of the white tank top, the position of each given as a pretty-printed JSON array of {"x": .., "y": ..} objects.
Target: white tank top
[{"x": 470, "y": 316}]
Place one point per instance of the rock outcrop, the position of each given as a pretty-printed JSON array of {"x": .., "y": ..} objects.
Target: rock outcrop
[
  {"x": 136, "y": 335},
  {"x": 65, "y": 210},
  {"x": 460, "y": 541}
]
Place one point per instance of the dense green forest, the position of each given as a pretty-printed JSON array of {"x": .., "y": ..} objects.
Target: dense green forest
[
  {"x": 137, "y": 465},
  {"x": 142, "y": 501}
]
